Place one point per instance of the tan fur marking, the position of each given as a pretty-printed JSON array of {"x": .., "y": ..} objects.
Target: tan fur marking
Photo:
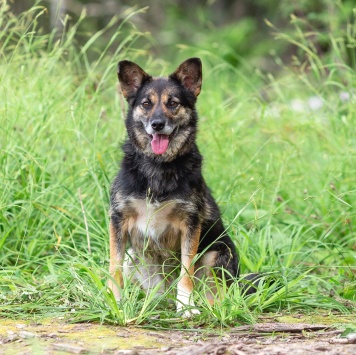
[
  {"x": 165, "y": 96},
  {"x": 153, "y": 96},
  {"x": 171, "y": 238},
  {"x": 115, "y": 264},
  {"x": 206, "y": 262},
  {"x": 178, "y": 113},
  {"x": 189, "y": 248},
  {"x": 117, "y": 252},
  {"x": 186, "y": 283},
  {"x": 138, "y": 113},
  {"x": 183, "y": 115},
  {"x": 204, "y": 272}
]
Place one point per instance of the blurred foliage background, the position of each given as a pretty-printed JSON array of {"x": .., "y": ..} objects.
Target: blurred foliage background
[{"x": 239, "y": 32}]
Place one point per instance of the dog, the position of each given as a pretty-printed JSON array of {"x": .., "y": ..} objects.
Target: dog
[{"x": 160, "y": 204}]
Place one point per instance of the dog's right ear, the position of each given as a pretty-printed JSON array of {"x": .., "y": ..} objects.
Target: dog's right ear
[
  {"x": 189, "y": 74},
  {"x": 131, "y": 78}
]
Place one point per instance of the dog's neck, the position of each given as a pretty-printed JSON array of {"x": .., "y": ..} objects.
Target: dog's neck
[{"x": 159, "y": 179}]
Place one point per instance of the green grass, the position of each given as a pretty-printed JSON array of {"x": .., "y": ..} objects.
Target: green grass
[{"x": 285, "y": 179}]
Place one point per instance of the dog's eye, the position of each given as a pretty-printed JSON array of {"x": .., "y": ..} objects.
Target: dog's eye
[
  {"x": 146, "y": 104},
  {"x": 173, "y": 104}
]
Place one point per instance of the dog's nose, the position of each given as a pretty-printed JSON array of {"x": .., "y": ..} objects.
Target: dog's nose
[{"x": 157, "y": 124}]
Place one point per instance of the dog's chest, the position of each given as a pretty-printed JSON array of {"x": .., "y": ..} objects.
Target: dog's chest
[
  {"x": 153, "y": 219},
  {"x": 154, "y": 228}
]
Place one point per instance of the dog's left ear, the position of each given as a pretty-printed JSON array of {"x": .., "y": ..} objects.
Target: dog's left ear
[
  {"x": 189, "y": 74},
  {"x": 131, "y": 78}
]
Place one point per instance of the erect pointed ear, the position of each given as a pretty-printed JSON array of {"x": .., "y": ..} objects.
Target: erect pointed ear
[
  {"x": 131, "y": 78},
  {"x": 189, "y": 74}
]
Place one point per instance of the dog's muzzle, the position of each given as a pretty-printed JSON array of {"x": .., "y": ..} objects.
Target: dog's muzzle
[
  {"x": 158, "y": 124},
  {"x": 159, "y": 130}
]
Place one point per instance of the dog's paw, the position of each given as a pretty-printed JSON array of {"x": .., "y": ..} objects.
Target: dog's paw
[
  {"x": 187, "y": 311},
  {"x": 190, "y": 313},
  {"x": 185, "y": 303},
  {"x": 115, "y": 290}
]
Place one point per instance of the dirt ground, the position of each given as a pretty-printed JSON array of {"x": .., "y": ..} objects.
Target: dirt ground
[{"x": 273, "y": 335}]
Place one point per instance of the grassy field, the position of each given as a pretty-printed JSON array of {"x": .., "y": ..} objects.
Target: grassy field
[{"x": 279, "y": 156}]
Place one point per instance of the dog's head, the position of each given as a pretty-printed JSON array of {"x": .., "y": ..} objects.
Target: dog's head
[{"x": 162, "y": 120}]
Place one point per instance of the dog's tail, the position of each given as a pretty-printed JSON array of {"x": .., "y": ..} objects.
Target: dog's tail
[{"x": 250, "y": 283}]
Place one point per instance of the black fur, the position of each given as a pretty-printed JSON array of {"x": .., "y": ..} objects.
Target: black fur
[{"x": 175, "y": 175}]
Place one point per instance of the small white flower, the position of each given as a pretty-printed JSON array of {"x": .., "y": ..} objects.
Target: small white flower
[{"x": 315, "y": 103}]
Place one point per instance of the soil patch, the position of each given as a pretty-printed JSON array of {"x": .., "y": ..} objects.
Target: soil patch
[{"x": 271, "y": 336}]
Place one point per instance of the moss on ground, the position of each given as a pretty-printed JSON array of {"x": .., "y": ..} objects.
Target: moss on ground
[
  {"x": 38, "y": 338},
  {"x": 31, "y": 337}
]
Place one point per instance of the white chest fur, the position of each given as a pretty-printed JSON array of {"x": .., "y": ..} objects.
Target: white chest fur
[{"x": 152, "y": 218}]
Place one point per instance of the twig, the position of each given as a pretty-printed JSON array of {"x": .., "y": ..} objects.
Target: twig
[
  {"x": 85, "y": 220},
  {"x": 69, "y": 348}
]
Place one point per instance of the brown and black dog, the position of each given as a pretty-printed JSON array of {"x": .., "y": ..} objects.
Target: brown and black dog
[{"x": 160, "y": 204}]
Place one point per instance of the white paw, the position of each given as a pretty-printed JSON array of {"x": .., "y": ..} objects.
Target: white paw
[
  {"x": 187, "y": 310},
  {"x": 189, "y": 313},
  {"x": 115, "y": 290},
  {"x": 185, "y": 303}
]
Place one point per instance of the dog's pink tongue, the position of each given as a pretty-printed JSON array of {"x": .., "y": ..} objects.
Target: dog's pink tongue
[{"x": 159, "y": 143}]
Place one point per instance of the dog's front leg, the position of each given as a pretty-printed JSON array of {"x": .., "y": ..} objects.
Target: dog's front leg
[
  {"x": 189, "y": 248},
  {"x": 118, "y": 237}
]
